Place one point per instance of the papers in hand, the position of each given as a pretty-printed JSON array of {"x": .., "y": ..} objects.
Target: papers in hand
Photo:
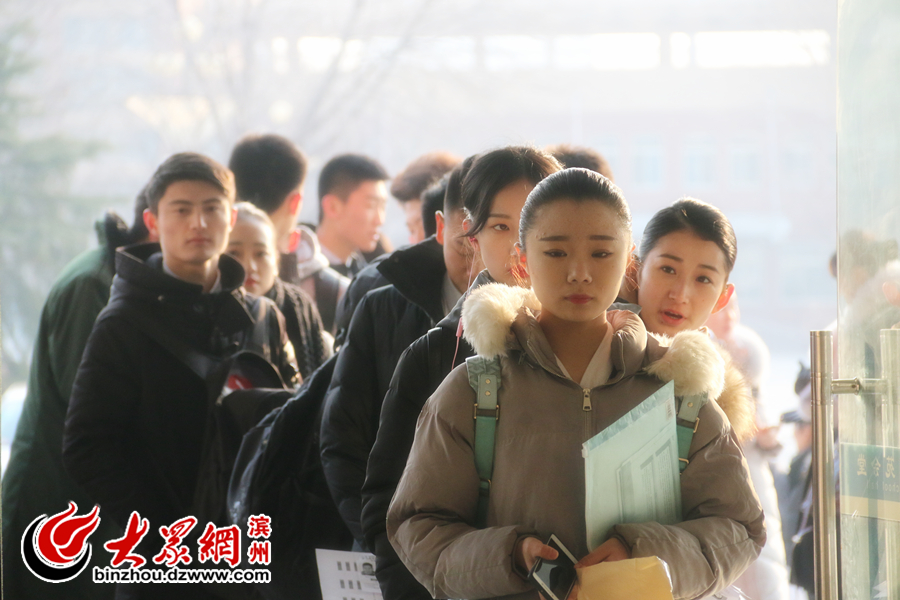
[
  {"x": 645, "y": 578},
  {"x": 347, "y": 575},
  {"x": 631, "y": 469}
]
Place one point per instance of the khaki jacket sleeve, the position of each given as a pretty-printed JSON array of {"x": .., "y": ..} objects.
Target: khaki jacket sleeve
[
  {"x": 723, "y": 530},
  {"x": 430, "y": 520}
]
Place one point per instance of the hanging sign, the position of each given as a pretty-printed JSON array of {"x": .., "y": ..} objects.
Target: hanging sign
[{"x": 870, "y": 481}]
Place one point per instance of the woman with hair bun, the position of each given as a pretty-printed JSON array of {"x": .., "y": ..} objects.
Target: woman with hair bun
[{"x": 570, "y": 367}]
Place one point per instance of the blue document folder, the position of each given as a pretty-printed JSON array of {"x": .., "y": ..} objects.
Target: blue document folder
[{"x": 631, "y": 469}]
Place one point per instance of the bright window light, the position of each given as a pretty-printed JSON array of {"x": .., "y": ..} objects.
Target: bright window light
[
  {"x": 680, "y": 50},
  {"x": 513, "y": 52},
  {"x": 728, "y": 49},
  {"x": 455, "y": 53},
  {"x": 317, "y": 53},
  {"x": 607, "y": 51}
]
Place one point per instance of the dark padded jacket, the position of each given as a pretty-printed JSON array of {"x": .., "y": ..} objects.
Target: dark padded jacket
[
  {"x": 364, "y": 282},
  {"x": 420, "y": 370},
  {"x": 35, "y": 481},
  {"x": 386, "y": 321},
  {"x": 303, "y": 323},
  {"x": 134, "y": 429}
]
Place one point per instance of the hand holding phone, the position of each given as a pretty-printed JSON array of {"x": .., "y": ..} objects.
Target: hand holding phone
[{"x": 554, "y": 577}]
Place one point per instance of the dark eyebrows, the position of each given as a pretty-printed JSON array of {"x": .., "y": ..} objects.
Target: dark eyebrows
[
  {"x": 186, "y": 202},
  {"x": 563, "y": 238},
  {"x": 499, "y": 216},
  {"x": 680, "y": 260}
]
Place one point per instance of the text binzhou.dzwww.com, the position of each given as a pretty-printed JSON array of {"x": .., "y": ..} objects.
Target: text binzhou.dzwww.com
[{"x": 176, "y": 575}]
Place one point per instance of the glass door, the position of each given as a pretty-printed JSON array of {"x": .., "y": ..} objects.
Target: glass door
[{"x": 857, "y": 473}]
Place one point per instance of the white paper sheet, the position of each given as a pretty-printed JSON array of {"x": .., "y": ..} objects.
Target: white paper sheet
[
  {"x": 631, "y": 469},
  {"x": 347, "y": 575}
]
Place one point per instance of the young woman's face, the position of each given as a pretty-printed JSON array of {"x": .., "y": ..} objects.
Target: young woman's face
[
  {"x": 576, "y": 254},
  {"x": 253, "y": 245},
  {"x": 497, "y": 241},
  {"x": 682, "y": 282}
]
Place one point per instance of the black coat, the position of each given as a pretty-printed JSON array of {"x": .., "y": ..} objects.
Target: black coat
[
  {"x": 386, "y": 321},
  {"x": 136, "y": 418},
  {"x": 420, "y": 370},
  {"x": 364, "y": 282},
  {"x": 304, "y": 326}
]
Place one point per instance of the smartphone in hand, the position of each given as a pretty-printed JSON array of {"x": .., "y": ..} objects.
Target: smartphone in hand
[{"x": 554, "y": 578}]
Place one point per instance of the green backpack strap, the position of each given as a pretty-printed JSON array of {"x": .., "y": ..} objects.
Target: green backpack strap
[
  {"x": 484, "y": 377},
  {"x": 686, "y": 423}
]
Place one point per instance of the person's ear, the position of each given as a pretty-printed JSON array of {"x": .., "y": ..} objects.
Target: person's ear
[
  {"x": 724, "y": 298},
  {"x": 233, "y": 217},
  {"x": 467, "y": 225},
  {"x": 150, "y": 222},
  {"x": 331, "y": 206},
  {"x": 520, "y": 254},
  {"x": 295, "y": 201},
  {"x": 440, "y": 223}
]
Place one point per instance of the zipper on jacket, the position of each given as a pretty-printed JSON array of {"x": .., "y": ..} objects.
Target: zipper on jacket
[{"x": 586, "y": 409}]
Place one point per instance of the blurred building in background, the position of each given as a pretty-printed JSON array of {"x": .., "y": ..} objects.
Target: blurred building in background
[{"x": 730, "y": 101}]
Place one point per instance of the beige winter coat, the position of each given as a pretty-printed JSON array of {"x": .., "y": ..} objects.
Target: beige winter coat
[{"x": 538, "y": 478}]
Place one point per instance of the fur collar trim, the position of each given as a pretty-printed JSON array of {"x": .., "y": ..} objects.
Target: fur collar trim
[
  {"x": 690, "y": 358},
  {"x": 488, "y": 313}
]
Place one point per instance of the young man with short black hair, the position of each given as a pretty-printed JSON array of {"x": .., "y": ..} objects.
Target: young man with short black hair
[
  {"x": 269, "y": 172},
  {"x": 410, "y": 184},
  {"x": 135, "y": 427},
  {"x": 352, "y": 199},
  {"x": 581, "y": 157},
  {"x": 426, "y": 281}
]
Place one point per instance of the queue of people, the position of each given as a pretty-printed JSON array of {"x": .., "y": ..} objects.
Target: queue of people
[{"x": 517, "y": 255}]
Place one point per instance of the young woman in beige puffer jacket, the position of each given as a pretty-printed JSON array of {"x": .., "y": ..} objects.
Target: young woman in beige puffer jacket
[{"x": 569, "y": 370}]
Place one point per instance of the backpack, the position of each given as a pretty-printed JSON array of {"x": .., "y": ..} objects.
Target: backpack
[
  {"x": 278, "y": 473},
  {"x": 242, "y": 389},
  {"x": 484, "y": 377}
]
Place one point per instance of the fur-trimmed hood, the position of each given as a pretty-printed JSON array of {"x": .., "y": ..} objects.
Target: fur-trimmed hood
[{"x": 499, "y": 320}]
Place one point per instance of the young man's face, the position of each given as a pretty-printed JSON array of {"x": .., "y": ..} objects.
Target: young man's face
[
  {"x": 462, "y": 262},
  {"x": 359, "y": 218},
  {"x": 193, "y": 220},
  {"x": 412, "y": 210}
]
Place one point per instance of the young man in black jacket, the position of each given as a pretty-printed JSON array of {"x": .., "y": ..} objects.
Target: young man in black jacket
[
  {"x": 269, "y": 172},
  {"x": 135, "y": 426},
  {"x": 427, "y": 280}
]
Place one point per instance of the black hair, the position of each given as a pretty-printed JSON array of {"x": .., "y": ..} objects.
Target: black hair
[
  {"x": 578, "y": 185},
  {"x": 188, "y": 166},
  {"x": 581, "y": 157},
  {"x": 803, "y": 379},
  {"x": 138, "y": 230},
  {"x": 433, "y": 201},
  {"x": 344, "y": 173},
  {"x": 703, "y": 220},
  {"x": 492, "y": 171},
  {"x": 453, "y": 199},
  {"x": 267, "y": 168},
  {"x": 420, "y": 174}
]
